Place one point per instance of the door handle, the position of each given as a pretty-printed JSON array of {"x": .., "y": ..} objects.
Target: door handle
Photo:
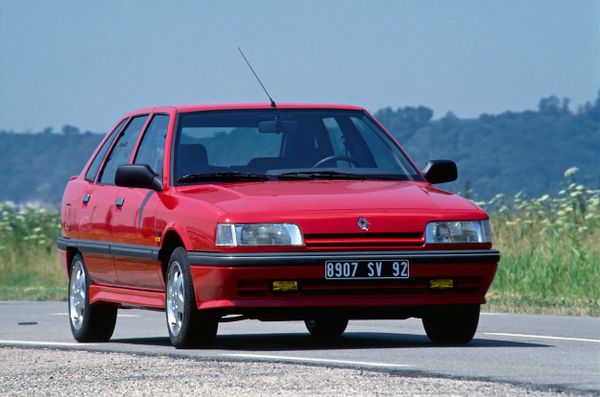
[
  {"x": 86, "y": 198},
  {"x": 119, "y": 202}
]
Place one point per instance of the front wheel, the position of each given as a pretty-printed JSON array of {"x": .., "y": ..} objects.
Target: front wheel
[
  {"x": 326, "y": 327},
  {"x": 451, "y": 325},
  {"x": 188, "y": 327},
  {"x": 89, "y": 322}
]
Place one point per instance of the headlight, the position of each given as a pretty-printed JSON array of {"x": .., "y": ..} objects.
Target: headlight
[
  {"x": 254, "y": 234},
  {"x": 458, "y": 232}
]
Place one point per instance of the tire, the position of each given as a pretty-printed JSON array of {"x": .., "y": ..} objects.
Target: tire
[
  {"x": 451, "y": 325},
  {"x": 188, "y": 327},
  {"x": 89, "y": 322},
  {"x": 326, "y": 327}
]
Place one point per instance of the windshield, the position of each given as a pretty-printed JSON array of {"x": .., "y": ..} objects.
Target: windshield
[{"x": 283, "y": 144}]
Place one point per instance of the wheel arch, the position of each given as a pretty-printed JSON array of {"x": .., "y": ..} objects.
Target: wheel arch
[
  {"x": 171, "y": 240},
  {"x": 69, "y": 255}
]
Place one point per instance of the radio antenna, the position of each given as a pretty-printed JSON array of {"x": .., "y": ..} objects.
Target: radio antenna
[{"x": 273, "y": 105}]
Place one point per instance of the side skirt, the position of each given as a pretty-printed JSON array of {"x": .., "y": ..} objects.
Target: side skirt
[{"x": 127, "y": 297}]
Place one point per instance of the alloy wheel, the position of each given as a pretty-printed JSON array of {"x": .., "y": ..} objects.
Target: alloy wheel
[
  {"x": 175, "y": 298},
  {"x": 77, "y": 291}
]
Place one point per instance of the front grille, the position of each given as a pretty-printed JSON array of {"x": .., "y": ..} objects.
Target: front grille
[{"x": 364, "y": 240}]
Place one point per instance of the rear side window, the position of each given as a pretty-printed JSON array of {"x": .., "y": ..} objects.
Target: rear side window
[
  {"x": 90, "y": 175},
  {"x": 122, "y": 149},
  {"x": 152, "y": 148}
]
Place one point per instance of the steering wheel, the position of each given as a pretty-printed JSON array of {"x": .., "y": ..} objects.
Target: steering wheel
[{"x": 334, "y": 158}]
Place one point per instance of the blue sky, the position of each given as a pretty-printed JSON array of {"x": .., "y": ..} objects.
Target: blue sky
[{"x": 86, "y": 63}]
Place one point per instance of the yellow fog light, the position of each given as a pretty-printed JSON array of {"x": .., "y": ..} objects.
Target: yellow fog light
[
  {"x": 441, "y": 283},
  {"x": 285, "y": 286}
]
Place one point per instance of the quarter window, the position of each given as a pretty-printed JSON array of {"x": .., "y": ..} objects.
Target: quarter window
[
  {"x": 152, "y": 148},
  {"x": 122, "y": 149},
  {"x": 90, "y": 175}
]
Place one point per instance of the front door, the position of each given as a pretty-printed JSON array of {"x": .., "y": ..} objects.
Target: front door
[
  {"x": 103, "y": 201},
  {"x": 133, "y": 223},
  {"x": 134, "y": 245}
]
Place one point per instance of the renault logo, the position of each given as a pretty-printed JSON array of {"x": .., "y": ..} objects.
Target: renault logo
[{"x": 363, "y": 223}]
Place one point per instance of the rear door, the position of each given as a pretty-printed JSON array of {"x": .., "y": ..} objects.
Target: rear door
[{"x": 134, "y": 219}]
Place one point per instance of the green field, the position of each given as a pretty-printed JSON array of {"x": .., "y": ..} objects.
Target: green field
[
  {"x": 29, "y": 266},
  {"x": 550, "y": 249}
]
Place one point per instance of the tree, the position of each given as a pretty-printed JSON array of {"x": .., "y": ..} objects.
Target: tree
[{"x": 70, "y": 130}]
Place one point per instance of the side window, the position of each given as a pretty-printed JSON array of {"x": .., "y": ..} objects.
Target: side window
[
  {"x": 90, "y": 175},
  {"x": 122, "y": 149},
  {"x": 152, "y": 148}
]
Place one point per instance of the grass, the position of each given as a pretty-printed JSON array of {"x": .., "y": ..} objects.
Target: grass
[
  {"x": 29, "y": 265},
  {"x": 550, "y": 251},
  {"x": 550, "y": 248}
]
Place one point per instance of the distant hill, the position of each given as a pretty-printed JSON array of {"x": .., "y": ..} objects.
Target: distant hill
[
  {"x": 505, "y": 153},
  {"x": 37, "y": 166}
]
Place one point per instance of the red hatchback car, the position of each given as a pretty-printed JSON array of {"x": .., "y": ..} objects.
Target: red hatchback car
[{"x": 294, "y": 212}]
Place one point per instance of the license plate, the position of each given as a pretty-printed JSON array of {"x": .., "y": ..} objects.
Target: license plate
[{"x": 366, "y": 269}]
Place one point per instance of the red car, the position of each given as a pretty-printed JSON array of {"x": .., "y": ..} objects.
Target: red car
[{"x": 293, "y": 212}]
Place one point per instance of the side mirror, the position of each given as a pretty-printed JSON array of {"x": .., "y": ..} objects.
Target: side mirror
[
  {"x": 440, "y": 171},
  {"x": 138, "y": 175}
]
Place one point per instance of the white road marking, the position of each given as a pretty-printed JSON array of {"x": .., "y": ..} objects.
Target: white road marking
[
  {"x": 492, "y": 314},
  {"x": 317, "y": 360},
  {"x": 42, "y": 343},
  {"x": 544, "y": 337}
]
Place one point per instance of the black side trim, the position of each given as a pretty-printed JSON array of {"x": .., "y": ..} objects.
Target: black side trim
[
  {"x": 62, "y": 243},
  {"x": 134, "y": 251},
  {"x": 108, "y": 248},
  {"x": 94, "y": 246},
  {"x": 316, "y": 258}
]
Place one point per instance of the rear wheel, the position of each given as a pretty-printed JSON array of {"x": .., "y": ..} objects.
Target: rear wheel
[
  {"x": 188, "y": 327},
  {"x": 89, "y": 322},
  {"x": 326, "y": 327},
  {"x": 452, "y": 325}
]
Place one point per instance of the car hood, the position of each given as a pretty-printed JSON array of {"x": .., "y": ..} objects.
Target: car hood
[{"x": 290, "y": 196}]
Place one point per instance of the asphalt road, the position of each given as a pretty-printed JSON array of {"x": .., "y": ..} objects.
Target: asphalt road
[{"x": 542, "y": 352}]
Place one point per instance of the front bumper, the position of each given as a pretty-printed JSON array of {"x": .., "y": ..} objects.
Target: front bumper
[{"x": 241, "y": 283}]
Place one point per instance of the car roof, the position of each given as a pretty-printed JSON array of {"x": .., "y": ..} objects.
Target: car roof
[{"x": 241, "y": 106}]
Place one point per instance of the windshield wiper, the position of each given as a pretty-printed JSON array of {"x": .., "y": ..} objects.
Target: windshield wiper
[
  {"x": 223, "y": 176},
  {"x": 308, "y": 175},
  {"x": 319, "y": 175}
]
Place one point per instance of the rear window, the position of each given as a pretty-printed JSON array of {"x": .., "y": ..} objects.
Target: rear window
[{"x": 228, "y": 146}]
